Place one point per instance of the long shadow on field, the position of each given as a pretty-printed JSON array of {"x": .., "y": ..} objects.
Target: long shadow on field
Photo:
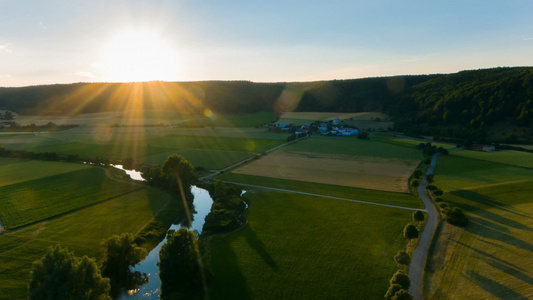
[
  {"x": 485, "y": 228},
  {"x": 229, "y": 282},
  {"x": 512, "y": 271},
  {"x": 490, "y": 256},
  {"x": 259, "y": 247},
  {"x": 491, "y": 216},
  {"x": 488, "y": 201},
  {"x": 495, "y": 288}
]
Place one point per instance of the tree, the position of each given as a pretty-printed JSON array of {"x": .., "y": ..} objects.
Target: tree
[
  {"x": 402, "y": 279},
  {"x": 417, "y": 173},
  {"x": 410, "y": 232},
  {"x": 415, "y": 183},
  {"x": 363, "y": 135},
  {"x": 8, "y": 115},
  {"x": 61, "y": 275},
  {"x": 128, "y": 163},
  {"x": 437, "y": 193},
  {"x": 418, "y": 216},
  {"x": 392, "y": 291},
  {"x": 179, "y": 265},
  {"x": 121, "y": 252},
  {"x": 178, "y": 171},
  {"x": 402, "y": 258},
  {"x": 220, "y": 189},
  {"x": 402, "y": 295},
  {"x": 429, "y": 178}
]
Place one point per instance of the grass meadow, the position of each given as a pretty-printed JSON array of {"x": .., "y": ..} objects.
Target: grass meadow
[
  {"x": 211, "y": 148},
  {"x": 39, "y": 199},
  {"x": 508, "y": 157},
  {"x": 21, "y": 170},
  {"x": 304, "y": 247},
  {"x": 81, "y": 232},
  {"x": 490, "y": 258},
  {"x": 400, "y": 199}
]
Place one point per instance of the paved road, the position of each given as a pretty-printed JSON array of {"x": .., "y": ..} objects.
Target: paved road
[
  {"x": 324, "y": 196},
  {"x": 418, "y": 261}
]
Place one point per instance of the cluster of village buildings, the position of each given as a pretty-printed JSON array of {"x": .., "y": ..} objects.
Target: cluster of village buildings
[{"x": 332, "y": 127}]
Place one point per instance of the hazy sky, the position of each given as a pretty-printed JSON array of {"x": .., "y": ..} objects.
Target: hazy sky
[{"x": 43, "y": 42}]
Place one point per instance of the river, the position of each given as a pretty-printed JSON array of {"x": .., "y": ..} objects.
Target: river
[{"x": 151, "y": 290}]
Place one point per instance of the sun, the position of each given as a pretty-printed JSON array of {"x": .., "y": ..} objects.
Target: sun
[{"x": 138, "y": 55}]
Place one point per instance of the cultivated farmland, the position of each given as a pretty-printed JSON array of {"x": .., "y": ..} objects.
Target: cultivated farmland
[
  {"x": 345, "y": 162},
  {"x": 491, "y": 258},
  {"x": 303, "y": 247},
  {"x": 35, "y": 200}
]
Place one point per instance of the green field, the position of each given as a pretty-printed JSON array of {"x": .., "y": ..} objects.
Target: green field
[
  {"x": 355, "y": 147},
  {"x": 491, "y": 258},
  {"x": 18, "y": 170},
  {"x": 455, "y": 172},
  {"x": 509, "y": 157},
  {"x": 154, "y": 147},
  {"x": 81, "y": 232},
  {"x": 400, "y": 199},
  {"x": 409, "y": 142},
  {"x": 302, "y": 247},
  {"x": 35, "y": 200}
]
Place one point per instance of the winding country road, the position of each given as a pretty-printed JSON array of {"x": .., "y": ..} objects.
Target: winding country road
[{"x": 418, "y": 261}]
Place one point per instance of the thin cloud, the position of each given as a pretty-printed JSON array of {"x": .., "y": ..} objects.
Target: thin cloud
[
  {"x": 43, "y": 27},
  {"x": 528, "y": 39},
  {"x": 86, "y": 74},
  {"x": 5, "y": 49}
]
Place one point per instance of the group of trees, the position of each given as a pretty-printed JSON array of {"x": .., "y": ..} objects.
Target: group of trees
[
  {"x": 180, "y": 267},
  {"x": 399, "y": 283},
  {"x": 451, "y": 214},
  {"x": 227, "y": 211},
  {"x": 59, "y": 274}
]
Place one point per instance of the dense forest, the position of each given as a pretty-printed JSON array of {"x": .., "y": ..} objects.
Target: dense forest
[{"x": 459, "y": 105}]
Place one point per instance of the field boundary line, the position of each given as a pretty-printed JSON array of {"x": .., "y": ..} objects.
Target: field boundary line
[{"x": 324, "y": 196}]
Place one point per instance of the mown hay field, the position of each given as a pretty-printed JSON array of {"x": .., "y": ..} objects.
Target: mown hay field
[
  {"x": 345, "y": 162},
  {"x": 353, "y": 171},
  {"x": 490, "y": 258}
]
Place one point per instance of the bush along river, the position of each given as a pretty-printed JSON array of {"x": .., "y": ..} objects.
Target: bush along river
[
  {"x": 151, "y": 289},
  {"x": 228, "y": 214}
]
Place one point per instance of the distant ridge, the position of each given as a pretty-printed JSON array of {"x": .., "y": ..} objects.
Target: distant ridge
[{"x": 467, "y": 101}]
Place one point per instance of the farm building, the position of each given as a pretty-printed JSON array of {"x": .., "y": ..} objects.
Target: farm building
[
  {"x": 485, "y": 148},
  {"x": 348, "y": 131}
]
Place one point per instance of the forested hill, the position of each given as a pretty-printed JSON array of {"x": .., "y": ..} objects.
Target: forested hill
[{"x": 447, "y": 103}]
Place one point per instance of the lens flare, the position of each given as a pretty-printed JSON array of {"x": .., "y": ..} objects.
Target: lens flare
[{"x": 208, "y": 113}]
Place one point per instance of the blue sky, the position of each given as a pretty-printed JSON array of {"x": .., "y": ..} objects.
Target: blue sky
[{"x": 44, "y": 42}]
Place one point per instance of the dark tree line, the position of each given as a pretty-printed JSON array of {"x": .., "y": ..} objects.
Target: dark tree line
[{"x": 459, "y": 105}]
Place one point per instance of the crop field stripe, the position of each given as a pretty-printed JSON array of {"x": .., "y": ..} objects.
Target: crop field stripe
[
  {"x": 73, "y": 210},
  {"x": 324, "y": 196}
]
